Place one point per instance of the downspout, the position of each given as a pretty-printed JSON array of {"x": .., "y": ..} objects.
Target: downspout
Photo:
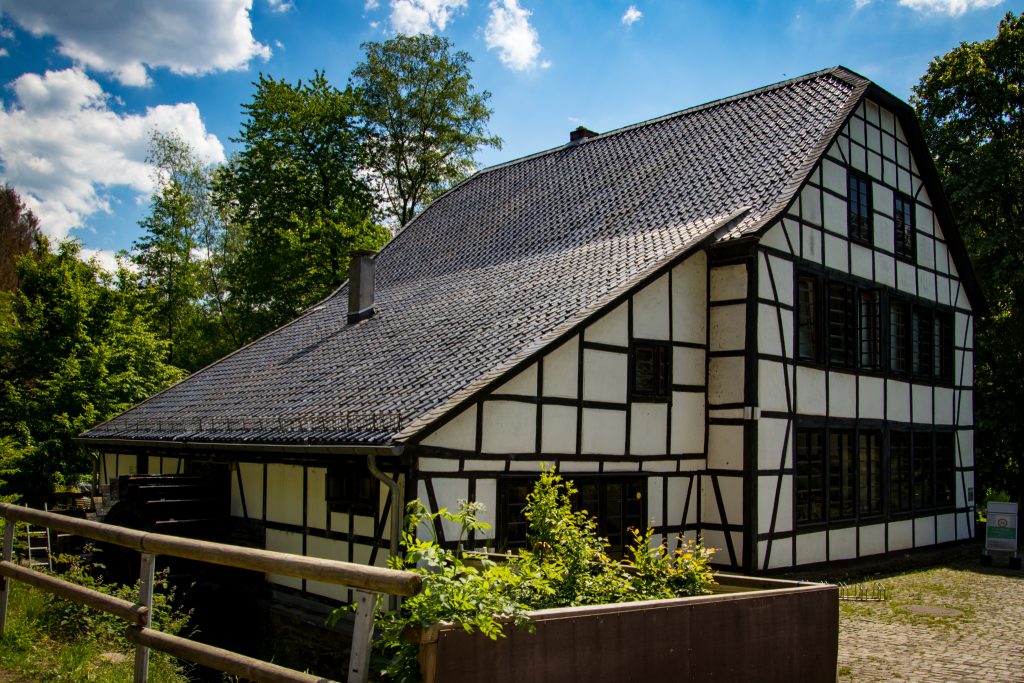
[{"x": 397, "y": 513}]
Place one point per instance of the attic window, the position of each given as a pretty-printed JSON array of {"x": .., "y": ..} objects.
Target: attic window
[
  {"x": 351, "y": 488},
  {"x": 903, "y": 218},
  {"x": 650, "y": 371},
  {"x": 858, "y": 207}
]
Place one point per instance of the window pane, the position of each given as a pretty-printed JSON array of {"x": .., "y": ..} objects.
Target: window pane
[
  {"x": 810, "y": 477},
  {"x": 943, "y": 346},
  {"x": 808, "y": 323},
  {"x": 841, "y": 475},
  {"x": 899, "y": 334},
  {"x": 903, "y": 217},
  {"x": 869, "y": 460},
  {"x": 858, "y": 207},
  {"x": 899, "y": 472},
  {"x": 945, "y": 470},
  {"x": 840, "y": 323},
  {"x": 870, "y": 329},
  {"x": 922, "y": 339},
  {"x": 924, "y": 472},
  {"x": 651, "y": 370}
]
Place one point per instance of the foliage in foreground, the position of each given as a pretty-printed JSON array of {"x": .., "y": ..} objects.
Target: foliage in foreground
[
  {"x": 52, "y": 639},
  {"x": 567, "y": 565}
]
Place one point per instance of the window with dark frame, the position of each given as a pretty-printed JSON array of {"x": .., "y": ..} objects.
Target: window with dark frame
[
  {"x": 858, "y": 206},
  {"x": 945, "y": 470},
  {"x": 618, "y": 504},
  {"x": 809, "y": 318},
  {"x": 905, "y": 240},
  {"x": 650, "y": 371},
  {"x": 869, "y": 473},
  {"x": 922, "y": 340},
  {"x": 899, "y": 473},
  {"x": 351, "y": 488},
  {"x": 841, "y": 324},
  {"x": 870, "y": 319},
  {"x": 899, "y": 336},
  {"x": 842, "y": 472},
  {"x": 924, "y": 471},
  {"x": 810, "y": 476},
  {"x": 943, "y": 344}
]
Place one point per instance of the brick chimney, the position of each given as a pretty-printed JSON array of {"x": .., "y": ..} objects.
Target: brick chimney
[
  {"x": 581, "y": 134},
  {"x": 360, "y": 285}
]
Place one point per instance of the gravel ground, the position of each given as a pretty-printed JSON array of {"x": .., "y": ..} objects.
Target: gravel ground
[{"x": 901, "y": 639}]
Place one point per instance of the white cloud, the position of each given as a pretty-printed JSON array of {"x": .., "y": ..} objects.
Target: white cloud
[
  {"x": 124, "y": 37},
  {"x": 371, "y": 5},
  {"x": 634, "y": 15},
  {"x": 422, "y": 16},
  {"x": 517, "y": 42},
  {"x": 859, "y": 4},
  {"x": 953, "y": 8},
  {"x": 62, "y": 146},
  {"x": 3, "y": 51},
  {"x": 280, "y": 6},
  {"x": 106, "y": 258}
]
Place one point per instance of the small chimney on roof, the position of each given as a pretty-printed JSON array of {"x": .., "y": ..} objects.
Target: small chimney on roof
[
  {"x": 360, "y": 285},
  {"x": 581, "y": 134}
]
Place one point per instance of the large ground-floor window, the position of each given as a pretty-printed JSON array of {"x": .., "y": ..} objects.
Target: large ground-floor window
[
  {"x": 617, "y": 503},
  {"x": 843, "y": 473}
]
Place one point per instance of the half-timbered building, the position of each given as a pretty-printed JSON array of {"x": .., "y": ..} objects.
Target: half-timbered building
[{"x": 750, "y": 321}]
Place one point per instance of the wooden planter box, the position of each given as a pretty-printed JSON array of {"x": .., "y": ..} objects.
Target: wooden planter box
[{"x": 750, "y": 629}]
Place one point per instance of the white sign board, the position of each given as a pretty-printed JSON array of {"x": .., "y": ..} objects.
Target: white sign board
[{"x": 1001, "y": 527}]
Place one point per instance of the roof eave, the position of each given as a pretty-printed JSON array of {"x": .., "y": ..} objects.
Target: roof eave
[{"x": 133, "y": 445}]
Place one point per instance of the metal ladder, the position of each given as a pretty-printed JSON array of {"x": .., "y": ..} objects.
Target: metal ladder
[{"x": 37, "y": 544}]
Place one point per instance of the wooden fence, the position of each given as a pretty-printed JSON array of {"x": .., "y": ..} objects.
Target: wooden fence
[{"x": 367, "y": 581}]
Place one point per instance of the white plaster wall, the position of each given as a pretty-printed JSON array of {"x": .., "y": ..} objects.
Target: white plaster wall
[
  {"x": 655, "y": 501},
  {"x": 605, "y": 376},
  {"x": 728, "y": 327},
  {"x": 650, "y": 311},
  {"x": 561, "y": 370},
  {"x": 725, "y": 447},
  {"x": 284, "y": 542},
  {"x": 725, "y": 380},
  {"x": 728, "y": 282},
  {"x": 842, "y": 544},
  {"x": 458, "y": 434},
  {"x": 810, "y": 548},
  {"x": 772, "y": 385},
  {"x": 648, "y": 433},
  {"x": 327, "y": 549},
  {"x": 677, "y": 487},
  {"x": 509, "y": 427},
  {"x": 898, "y": 401},
  {"x": 604, "y": 431},
  {"x": 687, "y": 422},
  {"x": 284, "y": 493},
  {"x": 872, "y": 540},
  {"x": 766, "y": 487},
  {"x": 769, "y": 339},
  {"x": 924, "y": 531},
  {"x": 774, "y": 444},
  {"x": 316, "y": 497},
  {"x": 921, "y": 403},
  {"x": 946, "y": 528},
  {"x": 487, "y": 493},
  {"x": 689, "y": 297},
  {"x": 842, "y": 394},
  {"x": 523, "y": 384},
  {"x": 558, "y": 429},
  {"x": 449, "y": 492},
  {"x": 810, "y": 391},
  {"x": 782, "y": 553},
  {"x": 871, "y": 397},
  {"x": 688, "y": 366},
  {"x": 611, "y": 328}
]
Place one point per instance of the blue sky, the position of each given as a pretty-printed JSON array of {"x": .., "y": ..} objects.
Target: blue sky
[{"x": 85, "y": 82}]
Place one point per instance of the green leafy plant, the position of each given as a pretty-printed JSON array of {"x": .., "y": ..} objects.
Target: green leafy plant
[{"x": 566, "y": 564}]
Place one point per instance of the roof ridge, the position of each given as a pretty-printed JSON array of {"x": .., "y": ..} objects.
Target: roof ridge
[{"x": 840, "y": 72}]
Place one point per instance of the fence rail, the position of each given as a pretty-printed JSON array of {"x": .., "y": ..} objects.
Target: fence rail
[{"x": 365, "y": 579}]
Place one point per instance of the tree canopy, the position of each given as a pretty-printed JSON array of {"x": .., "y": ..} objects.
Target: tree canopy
[
  {"x": 295, "y": 200},
  {"x": 970, "y": 104},
  {"x": 75, "y": 348},
  {"x": 424, "y": 118},
  {"x": 19, "y": 231}
]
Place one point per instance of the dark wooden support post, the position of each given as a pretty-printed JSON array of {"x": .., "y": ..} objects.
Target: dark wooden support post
[
  {"x": 145, "y": 600},
  {"x": 5, "y": 584}
]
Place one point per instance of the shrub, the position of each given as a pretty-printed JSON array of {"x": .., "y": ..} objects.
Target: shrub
[{"x": 567, "y": 564}]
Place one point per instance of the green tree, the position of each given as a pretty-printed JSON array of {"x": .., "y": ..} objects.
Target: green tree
[
  {"x": 296, "y": 202},
  {"x": 180, "y": 256},
  {"x": 424, "y": 118},
  {"x": 19, "y": 230},
  {"x": 75, "y": 348},
  {"x": 970, "y": 104}
]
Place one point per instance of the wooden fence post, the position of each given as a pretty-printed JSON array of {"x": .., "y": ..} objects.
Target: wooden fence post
[
  {"x": 146, "y": 600},
  {"x": 362, "y": 636},
  {"x": 5, "y": 583}
]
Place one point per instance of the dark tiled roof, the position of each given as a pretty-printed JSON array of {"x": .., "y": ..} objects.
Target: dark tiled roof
[{"x": 503, "y": 265}]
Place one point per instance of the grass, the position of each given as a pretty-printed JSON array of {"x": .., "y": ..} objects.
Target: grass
[{"x": 30, "y": 654}]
